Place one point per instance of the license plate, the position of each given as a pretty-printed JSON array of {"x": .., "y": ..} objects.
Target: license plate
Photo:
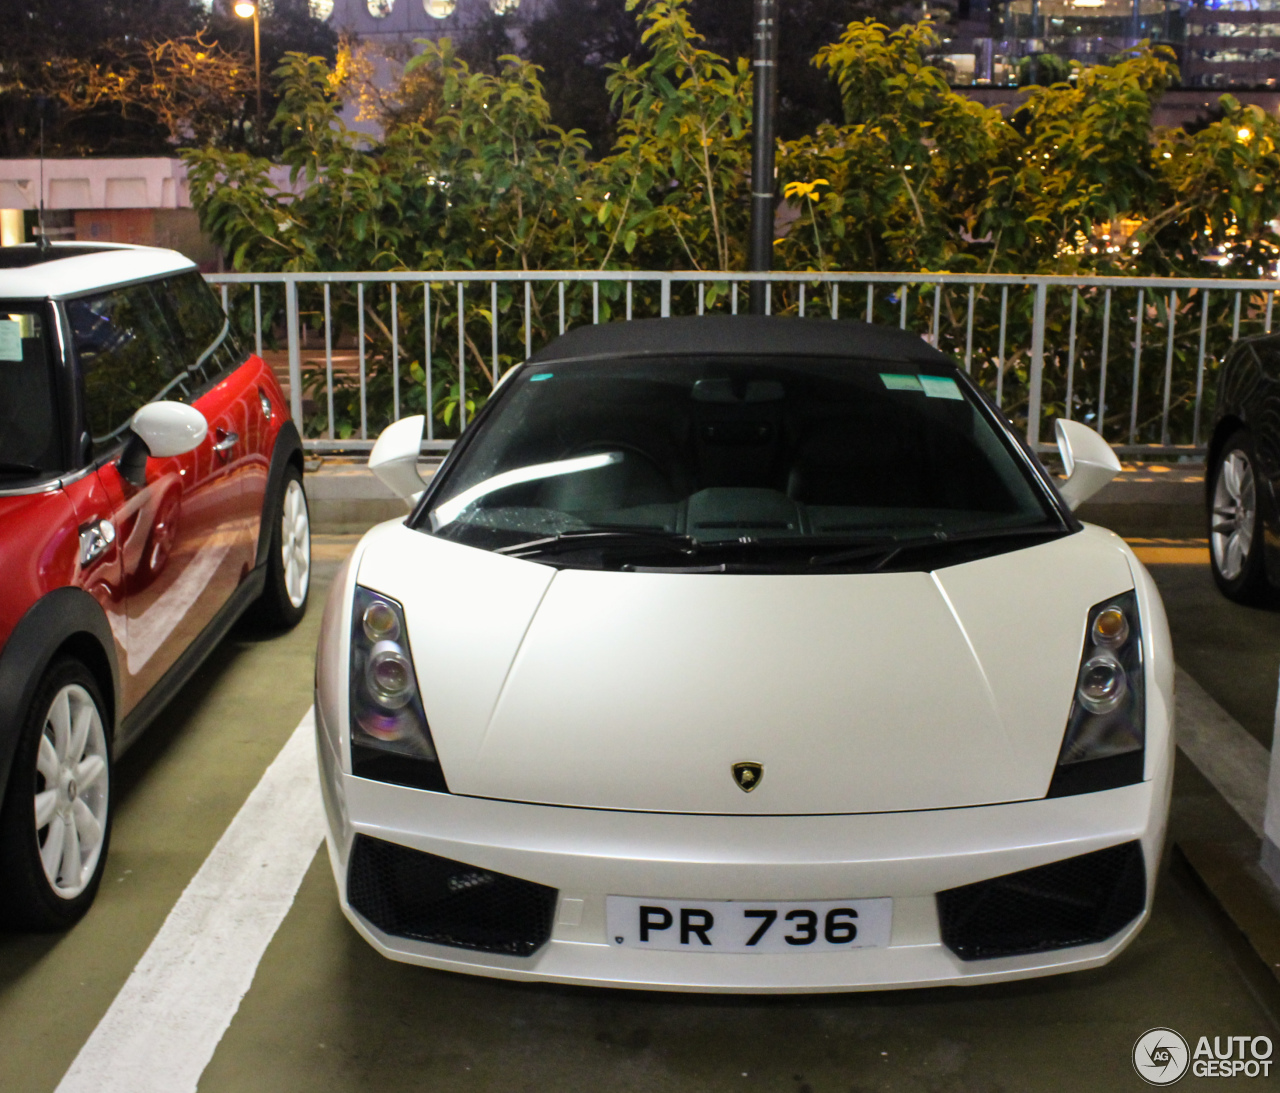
[{"x": 735, "y": 926}]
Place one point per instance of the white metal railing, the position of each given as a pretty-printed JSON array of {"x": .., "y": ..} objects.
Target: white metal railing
[{"x": 1056, "y": 329}]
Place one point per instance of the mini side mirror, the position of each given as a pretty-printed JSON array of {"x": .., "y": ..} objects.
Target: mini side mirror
[
  {"x": 1087, "y": 460},
  {"x": 169, "y": 428},
  {"x": 161, "y": 429},
  {"x": 394, "y": 458}
]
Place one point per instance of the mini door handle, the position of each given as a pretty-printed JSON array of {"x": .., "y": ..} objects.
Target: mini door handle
[
  {"x": 227, "y": 443},
  {"x": 95, "y": 537}
]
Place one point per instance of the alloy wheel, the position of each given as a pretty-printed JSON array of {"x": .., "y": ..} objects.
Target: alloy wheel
[
  {"x": 295, "y": 543},
  {"x": 1235, "y": 508},
  {"x": 71, "y": 795}
]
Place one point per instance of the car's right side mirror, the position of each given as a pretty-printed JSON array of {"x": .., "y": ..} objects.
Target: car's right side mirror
[{"x": 1087, "y": 460}]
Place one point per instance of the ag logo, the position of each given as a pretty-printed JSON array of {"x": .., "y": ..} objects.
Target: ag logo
[
  {"x": 1161, "y": 1056},
  {"x": 748, "y": 775}
]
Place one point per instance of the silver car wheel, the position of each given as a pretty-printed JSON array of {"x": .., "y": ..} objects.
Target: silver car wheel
[
  {"x": 295, "y": 544},
  {"x": 71, "y": 796},
  {"x": 1235, "y": 509}
]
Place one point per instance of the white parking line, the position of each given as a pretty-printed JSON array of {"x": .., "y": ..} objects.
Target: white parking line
[
  {"x": 164, "y": 1025},
  {"x": 1226, "y": 754}
]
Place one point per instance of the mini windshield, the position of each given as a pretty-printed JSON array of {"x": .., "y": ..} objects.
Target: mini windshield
[
  {"x": 774, "y": 452},
  {"x": 30, "y": 444}
]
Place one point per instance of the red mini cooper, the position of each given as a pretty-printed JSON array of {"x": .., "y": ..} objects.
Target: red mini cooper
[{"x": 150, "y": 493}]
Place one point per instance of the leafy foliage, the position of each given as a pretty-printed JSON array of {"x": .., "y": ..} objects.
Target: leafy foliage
[
  {"x": 576, "y": 42},
  {"x": 138, "y": 77},
  {"x": 176, "y": 91},
  {"x": 472, "y": 174},
  {"x": 683, "y": 154},
  {"x": 911, "y": 168}
]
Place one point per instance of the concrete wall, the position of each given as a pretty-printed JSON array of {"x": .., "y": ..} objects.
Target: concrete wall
[{"x": 144, "y": 200}]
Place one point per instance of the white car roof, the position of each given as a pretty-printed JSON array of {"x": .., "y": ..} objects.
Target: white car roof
[{"x": 85, "y": 267}]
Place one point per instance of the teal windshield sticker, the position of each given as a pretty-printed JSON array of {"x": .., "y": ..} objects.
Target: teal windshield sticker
[
  {"x": 541, "y": 376},
  {"x": 897, "y": 382},
  {"x": 10, "y": 340},
  {"x": 940, "y": 387}
]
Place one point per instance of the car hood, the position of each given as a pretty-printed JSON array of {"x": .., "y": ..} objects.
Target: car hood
[{"x": 855, "y": 692}]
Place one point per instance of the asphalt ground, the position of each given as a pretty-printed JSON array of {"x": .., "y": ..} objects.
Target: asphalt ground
[
  {"x": 1233, "y": 652},
  {"x": 324, "y": 1012}
]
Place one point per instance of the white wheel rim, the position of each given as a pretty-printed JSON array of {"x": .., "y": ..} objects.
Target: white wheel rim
[
  {"x": 295, "y": 543},
  {"x": 71, "y": 791},
  {"x": 1235, "y": 508}
]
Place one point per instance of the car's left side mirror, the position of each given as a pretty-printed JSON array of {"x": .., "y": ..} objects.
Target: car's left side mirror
[
  {"x": 160, "y": 429},
  {"x": 394, "y": 458},
  {"x": 1087, "y": 460}
]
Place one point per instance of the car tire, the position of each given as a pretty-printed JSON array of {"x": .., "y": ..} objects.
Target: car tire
[
  {"x": 56, "y": 821},
  {"x": 1235, "y": 524},
  {"x": 284, "y": 598}
]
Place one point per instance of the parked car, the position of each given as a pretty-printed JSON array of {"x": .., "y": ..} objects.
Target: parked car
[
  {"x": 1241, "y": 471},
  {"x": 744, "y": 654},
  {"x": 150, "y": 492}
]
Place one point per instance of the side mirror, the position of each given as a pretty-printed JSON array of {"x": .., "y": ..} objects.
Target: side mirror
[
  {"x": 169, "y": 428},
  {"x": 394, "y": 458},
  {"x": 1087, "y": 459},
  {"x": 161, "y": 429}
]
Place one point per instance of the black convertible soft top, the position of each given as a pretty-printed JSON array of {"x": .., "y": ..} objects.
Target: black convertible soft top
[{"x": 739, "y": 335}]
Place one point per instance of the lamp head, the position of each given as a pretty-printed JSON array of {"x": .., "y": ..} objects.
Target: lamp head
[{"x": 246, "y": 9}]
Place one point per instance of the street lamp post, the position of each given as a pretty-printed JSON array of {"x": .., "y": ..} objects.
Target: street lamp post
[
  {"x": 765, "y": 64},
  {"x": 246, "y": 9}
]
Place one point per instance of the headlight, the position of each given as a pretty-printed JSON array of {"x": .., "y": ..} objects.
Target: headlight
[
  {"x": 1106, "y": 731},
  {"x": 1102, "y": 684},
  {"x": 390, "y": 738},
  {"x": 389, "y": 676}
]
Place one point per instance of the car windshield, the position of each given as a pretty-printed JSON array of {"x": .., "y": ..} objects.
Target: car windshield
[
  {"x": 735, "y": 456},
  {"x": 29, "y": 437}
]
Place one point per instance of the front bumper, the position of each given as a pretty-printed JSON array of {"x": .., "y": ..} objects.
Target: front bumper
[{"x": 588, "y": 855}]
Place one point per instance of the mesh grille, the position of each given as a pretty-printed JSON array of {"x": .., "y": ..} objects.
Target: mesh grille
[
  {"x": 1078, "y": 901},
  {"x": 407, "y": 893}
]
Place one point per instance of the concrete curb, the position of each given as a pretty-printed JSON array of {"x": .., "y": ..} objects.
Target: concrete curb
[{"x": 346, "y": 497}]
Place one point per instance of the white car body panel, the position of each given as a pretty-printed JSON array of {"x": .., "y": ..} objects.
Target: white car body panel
[
  {"x": 858, "y": 692},
  {"x": 474, "y": 621},
  {"x": 591, "y": 854}
]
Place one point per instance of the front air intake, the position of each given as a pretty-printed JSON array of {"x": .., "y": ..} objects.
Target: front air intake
[
  {"x": 1078, "y": 901},
  {"x": 408, "y": 893}
]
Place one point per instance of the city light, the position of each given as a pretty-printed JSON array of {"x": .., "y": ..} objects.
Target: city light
[{"x": 246, "y": 9}]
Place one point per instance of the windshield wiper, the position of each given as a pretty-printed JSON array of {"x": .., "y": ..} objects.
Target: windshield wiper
[
  {"x": 18, "y": 468},
  {"x": 566, "y": 541},
  {"x": 887, "y": 548},
  {"x": 882, "y": 549}
]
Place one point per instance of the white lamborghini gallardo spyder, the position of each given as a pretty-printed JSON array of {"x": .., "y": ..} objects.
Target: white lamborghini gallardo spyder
[{"x": 745, "y": 654}]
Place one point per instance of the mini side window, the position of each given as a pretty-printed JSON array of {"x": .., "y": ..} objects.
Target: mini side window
[
  {"x": 30, "y": 432},
  {"x": 202, "y": 331},
  {"x": 127, "y": 357}
]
